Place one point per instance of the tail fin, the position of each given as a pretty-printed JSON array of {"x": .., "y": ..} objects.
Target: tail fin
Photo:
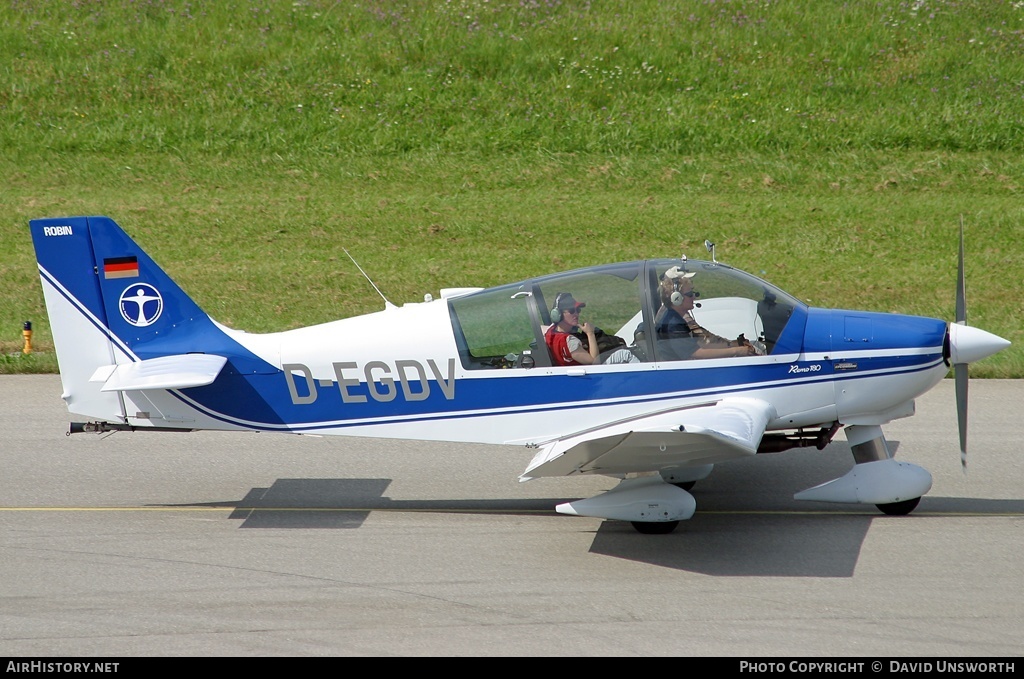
[{"x": 119, "y": 322}]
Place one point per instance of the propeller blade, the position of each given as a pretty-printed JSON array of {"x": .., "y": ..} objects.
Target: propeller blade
[
  {"x": 960, "y": 382},
  {"x": 960, "y": 370},
  {"x": 961, "y": 293}
]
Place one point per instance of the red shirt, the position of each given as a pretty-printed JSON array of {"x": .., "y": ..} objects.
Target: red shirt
[{"x": 558, "y": 344}]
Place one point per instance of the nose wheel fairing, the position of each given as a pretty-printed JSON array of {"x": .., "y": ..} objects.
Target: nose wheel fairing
[
  {"x": 876, "y": 478},
  {"x": 882, "y": 482}
]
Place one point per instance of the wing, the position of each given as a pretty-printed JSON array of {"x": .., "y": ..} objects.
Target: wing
[{"x": 702, "y": 434}]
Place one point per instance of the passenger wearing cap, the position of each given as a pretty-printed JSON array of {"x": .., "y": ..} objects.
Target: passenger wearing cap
[
  {"x": 679, "y": 335},
  {"x": 565, "y": 337}
]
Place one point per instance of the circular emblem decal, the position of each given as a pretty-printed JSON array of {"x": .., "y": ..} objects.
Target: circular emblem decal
[{"x": 141, "y": 304}]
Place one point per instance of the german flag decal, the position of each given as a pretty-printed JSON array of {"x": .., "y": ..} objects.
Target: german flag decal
[{"x": 121, "y": 267}]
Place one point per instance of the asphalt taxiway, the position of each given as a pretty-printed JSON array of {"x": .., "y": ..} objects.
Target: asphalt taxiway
[{"x": 224, "y": 544}]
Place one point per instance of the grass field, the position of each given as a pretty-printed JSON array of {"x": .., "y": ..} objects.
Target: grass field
[{"x": 831, "y": 149}]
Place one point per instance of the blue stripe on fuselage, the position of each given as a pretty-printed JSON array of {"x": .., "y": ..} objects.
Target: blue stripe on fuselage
[{"x": 264, "y": 401}]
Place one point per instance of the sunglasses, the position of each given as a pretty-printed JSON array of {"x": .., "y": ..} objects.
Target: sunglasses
[{"x": 691, "y": 293}]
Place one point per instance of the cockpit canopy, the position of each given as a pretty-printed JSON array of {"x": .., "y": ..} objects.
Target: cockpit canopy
[{"x": 504, "y": 327}]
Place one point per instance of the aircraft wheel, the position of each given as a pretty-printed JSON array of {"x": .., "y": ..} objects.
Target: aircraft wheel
[
  {"x": 655, "y": 527},
  {"x": 899, "y": 508},
  {"x": 686, "y": 485}
]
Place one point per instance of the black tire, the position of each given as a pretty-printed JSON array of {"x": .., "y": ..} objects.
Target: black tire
[
  {"x": 899, "y": 508},
  {"x": 655, "y": 527},
  {"x": 686, "y": 485}
]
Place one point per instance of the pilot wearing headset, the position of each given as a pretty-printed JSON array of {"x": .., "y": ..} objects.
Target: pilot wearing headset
[
  {"x": 679, "y": 336},
  {"x": 565, "y": 337}
]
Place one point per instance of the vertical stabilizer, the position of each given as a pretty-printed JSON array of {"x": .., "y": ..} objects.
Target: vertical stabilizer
[{"x": 111, "y": 307}]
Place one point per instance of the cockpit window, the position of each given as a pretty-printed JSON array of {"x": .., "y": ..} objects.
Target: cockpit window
[
  {"x": 494, "y": 327},
  {"x": 727, "y": 304},
  {"x": 610, "y": 294},
  {"x": 613, "y": 302}
]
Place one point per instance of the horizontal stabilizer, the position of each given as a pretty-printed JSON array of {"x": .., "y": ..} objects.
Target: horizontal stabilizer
[{"x": 167, "y": 372}]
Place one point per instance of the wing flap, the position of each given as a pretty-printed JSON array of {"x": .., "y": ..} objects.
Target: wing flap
[
  {"x": 179, "y": 371},
  {"x": 722, "y": 430}
]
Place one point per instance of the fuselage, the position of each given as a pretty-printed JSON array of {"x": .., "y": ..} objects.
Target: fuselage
[{"x": 408, "y": 372}]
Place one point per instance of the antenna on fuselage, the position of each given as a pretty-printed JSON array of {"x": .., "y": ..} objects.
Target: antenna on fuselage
[{"x": 387, "y": 304}]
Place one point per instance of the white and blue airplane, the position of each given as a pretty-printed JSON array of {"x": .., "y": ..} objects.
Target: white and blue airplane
[{"x": 136, "y": 353}]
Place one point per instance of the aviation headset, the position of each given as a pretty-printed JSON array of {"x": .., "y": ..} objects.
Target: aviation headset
[
  {"x": 556, "y": 313},
  {"x": 677, "y": 296}
]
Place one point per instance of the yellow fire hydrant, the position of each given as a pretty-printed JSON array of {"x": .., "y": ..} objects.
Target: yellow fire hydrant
[{"x": 26, "y": 332}]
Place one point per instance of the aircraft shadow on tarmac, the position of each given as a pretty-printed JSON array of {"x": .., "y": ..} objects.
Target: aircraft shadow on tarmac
[
  {"x": 747, "y": 523},
  {"x": 345, "y": 503}
]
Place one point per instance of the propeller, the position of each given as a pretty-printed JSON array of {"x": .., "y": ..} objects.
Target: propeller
[
  {"x": 960, "y": 376},
  {"x": 966, "y": 345}
]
